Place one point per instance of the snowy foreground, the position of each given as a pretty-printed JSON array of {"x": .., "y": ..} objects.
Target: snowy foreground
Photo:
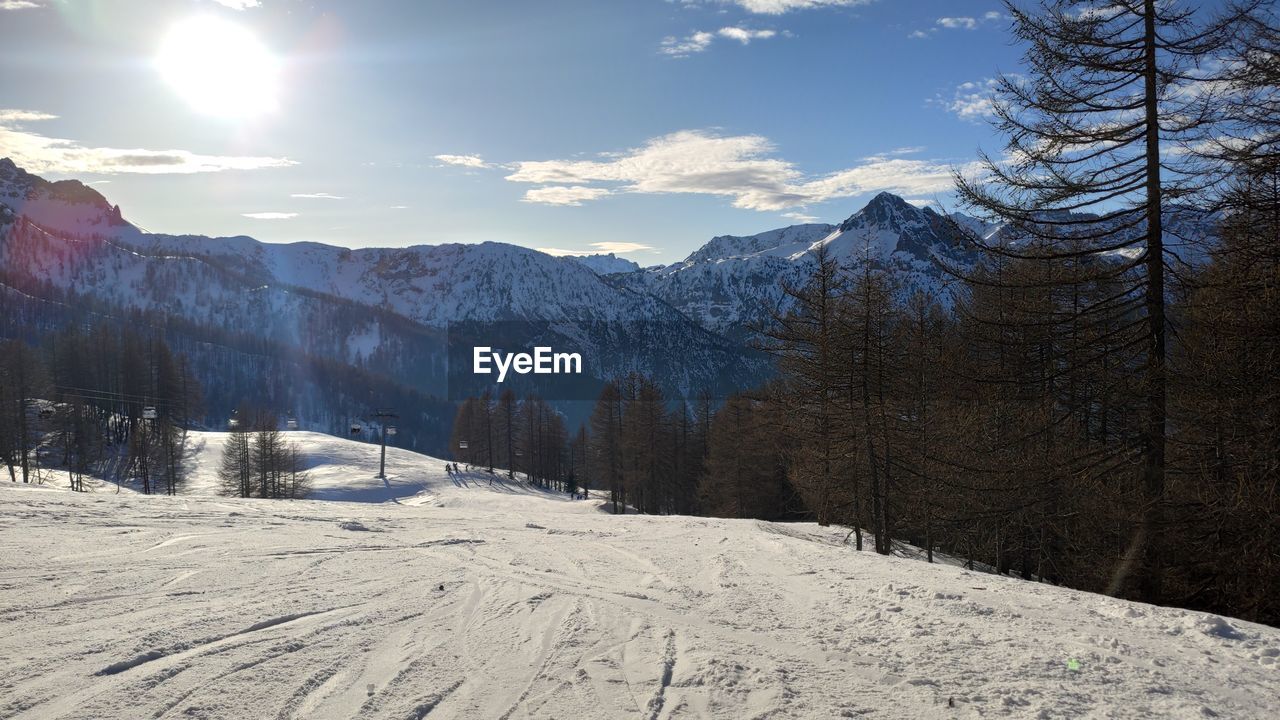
[{"x": 453, "y": 598}]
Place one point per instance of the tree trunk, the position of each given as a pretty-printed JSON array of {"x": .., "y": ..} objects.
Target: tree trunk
[{"x": 1153, "y": 470}]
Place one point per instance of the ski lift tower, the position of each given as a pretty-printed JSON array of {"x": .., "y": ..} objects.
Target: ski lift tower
[{"x": 383, "y": 415}]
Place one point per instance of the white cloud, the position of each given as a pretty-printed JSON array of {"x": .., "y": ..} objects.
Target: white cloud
[
  {"x": 317, "y": 196},
  {"x": 239, "y": 4},
  {"x": 701, "y": 40},
  {"x": 778, "y": 7},
  {"x": 41, "y": 154},
  {"x": 19, "y": 4},
  {"x": 973, "y": 101},
  {"x": 745, "y": 35},
  {"x": 561, "y": 195},
  {"x": 470, "y": 161},
  {"x": 270, "y": 215},
  {"x": 956, "y": 23},
  {"x": 800, "y": 217},
  {"x": 20, "y": 116},
  {"x": 560, "y": 251},
  {"x": 684, "y": 47},
  {"x": 399, "y": 207},
  {"x": 619, "y": 248},
  {"x": 740, "y": 167}
]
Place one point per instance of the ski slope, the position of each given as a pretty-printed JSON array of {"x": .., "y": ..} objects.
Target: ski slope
[{"x": 450, "y": 598}]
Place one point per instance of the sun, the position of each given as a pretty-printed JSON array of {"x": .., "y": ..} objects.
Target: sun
[{"x": 219, "y": 68}]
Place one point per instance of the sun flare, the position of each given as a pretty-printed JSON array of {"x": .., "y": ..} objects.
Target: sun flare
[{"x": 219, "y": 68}]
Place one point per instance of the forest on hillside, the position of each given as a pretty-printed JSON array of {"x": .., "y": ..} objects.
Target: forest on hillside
[{"x": 1095, "y": 404}]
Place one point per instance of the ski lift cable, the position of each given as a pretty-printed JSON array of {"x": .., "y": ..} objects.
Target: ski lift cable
[
  {"x": 129, "y": 397},
  {"x": 148, "y": 403}
]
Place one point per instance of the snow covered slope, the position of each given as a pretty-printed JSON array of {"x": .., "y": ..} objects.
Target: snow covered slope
[
  {"x": 346, "y": 471},
  {"x": 461, "y": 600}
]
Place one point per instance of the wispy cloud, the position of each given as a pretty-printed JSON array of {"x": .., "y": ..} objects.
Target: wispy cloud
[
  {"x": 686, "y": 46},
  {"x": 239, "y": 4},
  {"x": 972, "y": 101},
  {"x": 620, "y": 248},
  {"x": 20, "y": 4},
  {"x": 617, "y": 248},
  {"x": 469, "y": 161},
  {"x": 41, "y": 154},
  {"x": 270, "y": 215},
  {"x": 958, "y": 23},
  {"x": 560, "y": 252},
  {"x": 745, "y": 35},
  {"x": 778, "y": 7},
  {"x": 317, "y": 196},
  {"x": 14, "y": 117},
  {"x": 561, "y": 195},
  {"x": 740, "y": 167},
  {"x": 701, "y": 40},
  {"x": 964, "y": 22},
  {"x": 800, "y": 217}
]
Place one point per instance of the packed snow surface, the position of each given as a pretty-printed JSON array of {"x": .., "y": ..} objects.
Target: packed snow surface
[{"x": 448, "y": 596}]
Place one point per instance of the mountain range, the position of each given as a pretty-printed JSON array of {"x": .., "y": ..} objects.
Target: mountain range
[{"x": 386, "y": 311}]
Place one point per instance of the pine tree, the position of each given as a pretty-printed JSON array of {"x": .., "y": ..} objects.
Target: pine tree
[
  {"x": 807, "y": 345},
  {"x": 236, "y": 469},
  {"x": 605, "y": 451},
  {"x": 1107, "y": 95}
]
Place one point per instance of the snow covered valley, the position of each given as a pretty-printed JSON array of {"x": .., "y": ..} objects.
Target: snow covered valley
[{"x": 447, "y": 596}]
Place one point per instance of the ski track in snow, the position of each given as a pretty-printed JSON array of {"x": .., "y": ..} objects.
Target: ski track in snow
[{"x": 457, "y": 600}]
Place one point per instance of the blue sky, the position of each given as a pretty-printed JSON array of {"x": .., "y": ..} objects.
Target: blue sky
[{"x": 642, "y": 126}]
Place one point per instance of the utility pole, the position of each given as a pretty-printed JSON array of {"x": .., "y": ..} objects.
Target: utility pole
[{"x": 382, "y": 415}]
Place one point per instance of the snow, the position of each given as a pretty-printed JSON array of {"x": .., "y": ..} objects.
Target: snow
[
  {"x": 606, "y": 264},
  {"x": 447, "y": 596}
]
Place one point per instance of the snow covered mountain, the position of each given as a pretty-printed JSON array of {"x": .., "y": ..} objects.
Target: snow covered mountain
[
  {"x": 687, "y": 321},
  {"x": 733, "y": 284},
  {"x": 607, "y": 264},
  {"x": 386, "y": 306},
  {"x": 429, "y": 284}
]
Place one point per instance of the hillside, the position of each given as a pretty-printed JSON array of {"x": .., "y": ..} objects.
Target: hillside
[
  {"x": 458, "y": 599},
  {"x": 381, "y": 310}
]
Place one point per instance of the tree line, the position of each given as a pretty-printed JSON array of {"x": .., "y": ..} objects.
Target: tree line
[
  {"x": 96, "y": 402},
  {"x": 519, "y": 435},
  {"x": 645, "y": 451},
  {"x": 230, "y": 365},
  {"x": 1095, "y": 400}
]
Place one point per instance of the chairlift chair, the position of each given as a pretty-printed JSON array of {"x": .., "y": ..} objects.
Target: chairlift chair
[{"x": 149, "y": 413}]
